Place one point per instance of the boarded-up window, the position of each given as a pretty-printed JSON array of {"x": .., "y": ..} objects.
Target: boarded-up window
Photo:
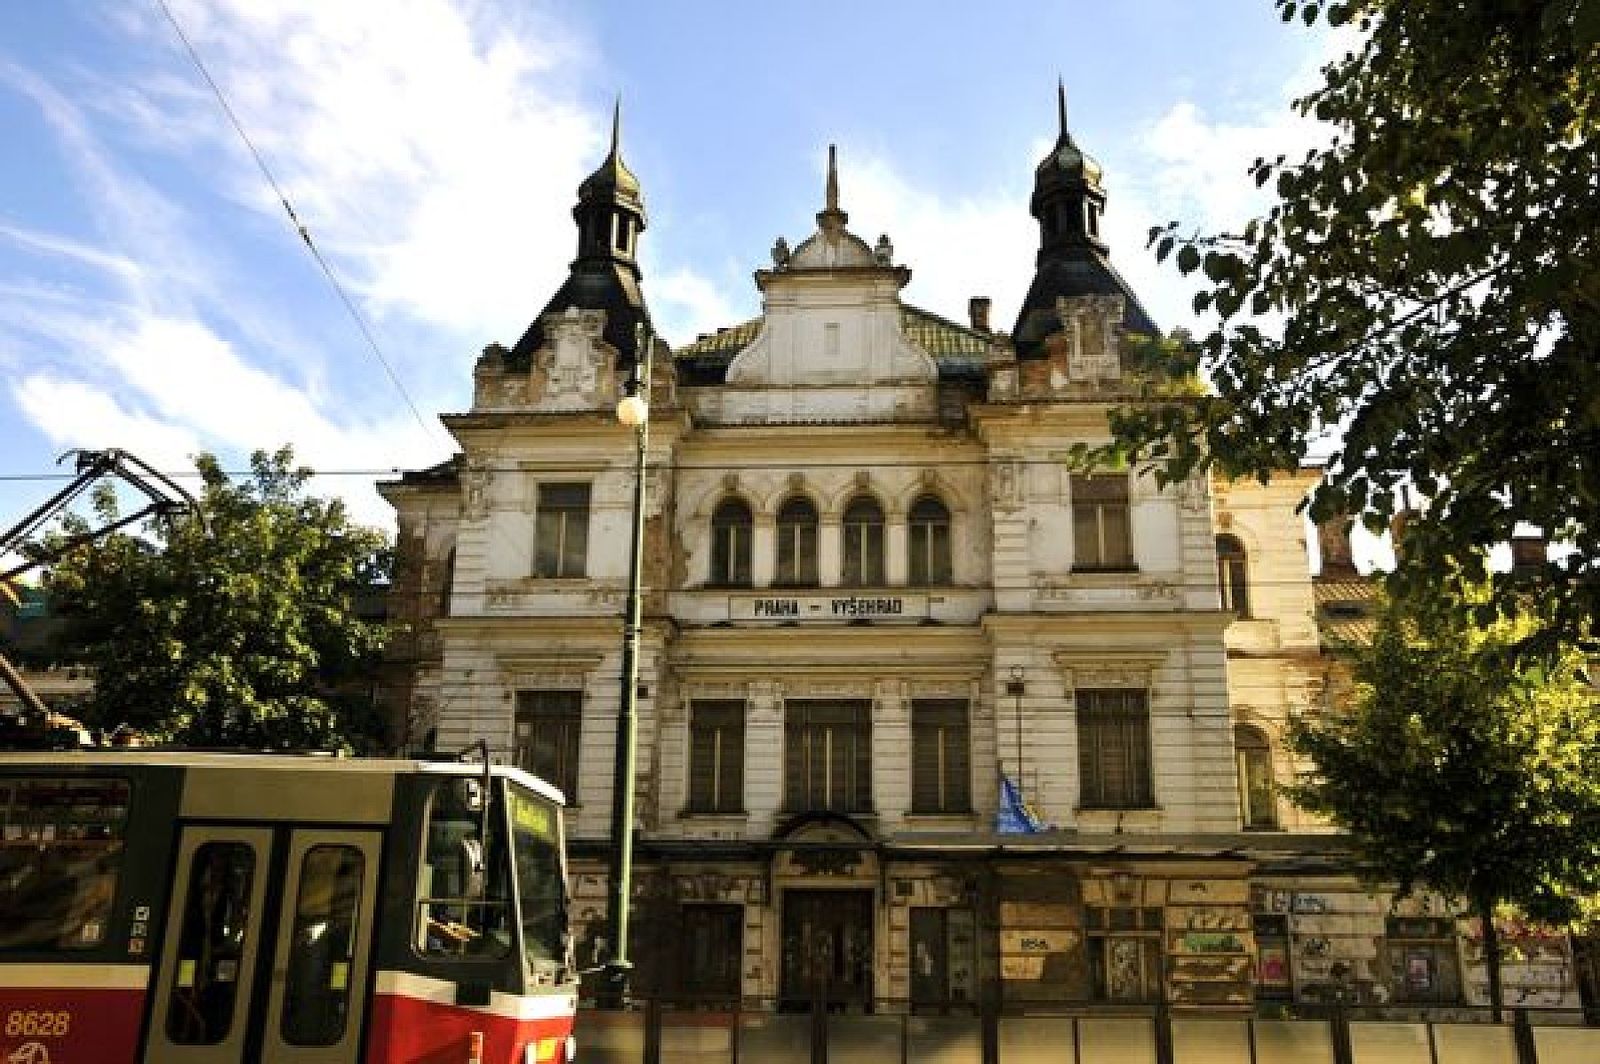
[
  {"x": 1124, "y": 952},
  {"x": 1114, "y": 749},
  {"x": 1422, "y": 959},
  {"x": 547, "y": 724},
  {"x": 1100, "y": 533},
  {"x": 928, "y": 537},
  {"x": 941, "y": 769},
  {"x": 561, "y": 531},
  {"x": 827, "y": 754},
  {"x": 716, "y": 757}
]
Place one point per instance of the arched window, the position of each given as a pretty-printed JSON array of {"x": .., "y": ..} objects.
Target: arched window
[
  {"x": 797, "y": 544},
  {"x": 1231, "y": 575},
  {"x": 1258, "y": 794},
  {"x": 863, "y": 543},
  {"x": 929, "y": 541},
  {"x": 730, "y": 545}
]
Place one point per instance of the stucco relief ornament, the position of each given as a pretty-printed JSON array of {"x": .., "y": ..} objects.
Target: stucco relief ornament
[
  {"x": 1005, "y": 484},
  {"x": 780, "y": 253},
  {"x": 475, "y": 490}
]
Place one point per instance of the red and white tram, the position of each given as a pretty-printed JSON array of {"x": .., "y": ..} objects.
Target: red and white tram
[{"x": 191, "y": 908}]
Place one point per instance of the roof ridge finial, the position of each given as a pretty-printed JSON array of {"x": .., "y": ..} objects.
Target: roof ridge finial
[
  {"x": 616, "y": 124},
  {"x": 833, "y": 179},
  {"x": 1061, "y": 105}
]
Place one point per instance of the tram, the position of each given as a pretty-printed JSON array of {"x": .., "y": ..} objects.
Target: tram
[{"x": 209, "y": 908}]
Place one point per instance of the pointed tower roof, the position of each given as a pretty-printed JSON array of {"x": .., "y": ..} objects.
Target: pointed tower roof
[
  {"x": 605, "y": 275},
  {"x": 832, "y": 245},
  {"x": 612, "y": 180},
  {"x": 1073, "y": 260}
]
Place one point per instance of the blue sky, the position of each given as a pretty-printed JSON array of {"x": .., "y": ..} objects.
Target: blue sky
[{"x": 153, "y": 295}]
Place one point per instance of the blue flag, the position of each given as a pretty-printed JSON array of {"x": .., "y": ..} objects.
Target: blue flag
[{"x": 1014, "y": 817}]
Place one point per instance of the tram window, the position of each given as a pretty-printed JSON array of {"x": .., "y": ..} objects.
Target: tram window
[
  {"x": 539, "y": 880},
  {"x": 211, "y": 943},
  {"x": 61, "y": 851},
  {"x": 316, "y": 994},
  {"x": 464, "y": 906}
]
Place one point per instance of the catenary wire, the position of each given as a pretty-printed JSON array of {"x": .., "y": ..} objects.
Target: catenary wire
[{"x": 294, "y": 219}]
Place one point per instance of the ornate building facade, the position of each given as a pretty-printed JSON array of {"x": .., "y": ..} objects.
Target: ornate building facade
[{"x": 880, "y": 605}]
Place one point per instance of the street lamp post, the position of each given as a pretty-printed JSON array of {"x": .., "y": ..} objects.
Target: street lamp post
[{"x": 633, "y": 410}]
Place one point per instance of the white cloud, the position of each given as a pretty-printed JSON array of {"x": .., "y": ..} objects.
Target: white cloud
[
  {"x": 427, "y": 146},
  {"x": 684, "y": 304},
  {"x": 73, "y": 413}
]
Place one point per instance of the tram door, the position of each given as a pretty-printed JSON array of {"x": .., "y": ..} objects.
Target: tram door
[{"x": 267, "y": 943}]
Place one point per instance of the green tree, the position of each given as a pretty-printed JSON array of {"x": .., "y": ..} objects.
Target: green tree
[
  {"x": 1463, "y": 768},
  {"x": 238, "y": 629},
  {"x": 1421, "y": 304}
]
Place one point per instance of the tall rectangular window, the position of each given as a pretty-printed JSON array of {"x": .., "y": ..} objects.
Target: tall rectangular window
[
  {"x": 827, "y": 754},
  {"x": 1422, "y": 957},
  {"x": 941, "y": 764},
  {"x": 1114, "y": 750},
  {"x": 1101, "y": 538},
  {"x": 716, "y": 757},
  {"x": 547, "y": 726},
  {"x": 561, "y": 531}
]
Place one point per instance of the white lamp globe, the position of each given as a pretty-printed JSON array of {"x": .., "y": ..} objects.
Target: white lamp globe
[{"x": 633, "y": 410}]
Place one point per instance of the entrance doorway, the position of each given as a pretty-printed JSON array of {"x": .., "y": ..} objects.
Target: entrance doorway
[{"x": 827, "y": 950}]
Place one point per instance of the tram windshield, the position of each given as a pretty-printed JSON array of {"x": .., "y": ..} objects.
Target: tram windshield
[
  {"x": 464, "y": 901},
  {"x": 541, "y": 886},
  {"x": 61, "y": 851}
]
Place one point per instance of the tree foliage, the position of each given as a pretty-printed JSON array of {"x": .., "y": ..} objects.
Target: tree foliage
[
  {"x": 1421, "y": 305},
  {"x": 237, "y": 630},
  {"x": 1463, "y": 768}
]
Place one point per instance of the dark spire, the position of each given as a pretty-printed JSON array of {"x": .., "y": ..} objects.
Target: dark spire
[
  {"x": 1068, "y": 200},
  {"x": 605, "y": 275},
  {"x": 831, "y": 219}
]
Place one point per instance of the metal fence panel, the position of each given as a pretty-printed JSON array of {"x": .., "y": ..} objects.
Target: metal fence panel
[
  {"x": 1116, "y": 1040},
  {"x": 773, "y": 1038},
  {"x": 1036, "y": 1040},
  {"x": 1390, "y": 1043},
  {"x": 1210, "y": 1041},
  {"x": 1567, "y": 1045},
  {"x": 865, "y": 1040},
  {"x": 1293, "y": 1042},
  {"x": 1474, "y": 1043},
  {"x": 610, "y": 1037},
  {"x": 944, "y": 1040},
  {"x": 697, "y": 1038}
]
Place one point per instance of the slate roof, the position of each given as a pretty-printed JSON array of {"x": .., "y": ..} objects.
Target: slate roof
[
  {"x": 958, "y": 350},
  {"x": 1344, "y": 610}
]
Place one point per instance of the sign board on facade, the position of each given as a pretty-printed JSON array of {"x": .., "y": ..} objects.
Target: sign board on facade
[{"x": 833, "y": 608}]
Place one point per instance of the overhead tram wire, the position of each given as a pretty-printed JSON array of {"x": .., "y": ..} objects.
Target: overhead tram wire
[{"x": 294, "y": 219}]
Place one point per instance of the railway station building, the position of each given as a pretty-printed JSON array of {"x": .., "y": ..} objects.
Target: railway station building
[{"x": 926, "y": 710}]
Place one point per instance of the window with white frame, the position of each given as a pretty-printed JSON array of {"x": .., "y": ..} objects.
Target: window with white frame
[
  {"x": 1101, "y": 534},
  {"x": 863, "y": 543},
  {"x": 928, "y": 538},
  {"x": 561, "y": 531}
]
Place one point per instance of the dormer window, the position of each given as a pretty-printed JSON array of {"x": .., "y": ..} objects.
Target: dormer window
[{"x": 1091, "y": 220}]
